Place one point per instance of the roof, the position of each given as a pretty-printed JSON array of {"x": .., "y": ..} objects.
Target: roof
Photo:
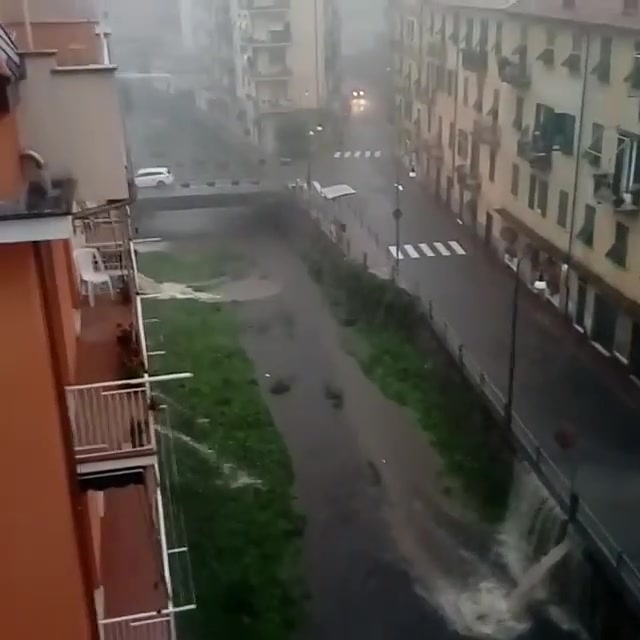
[
  {"x": 599, "y": 12},
  {"x": 602, "y": 12}
]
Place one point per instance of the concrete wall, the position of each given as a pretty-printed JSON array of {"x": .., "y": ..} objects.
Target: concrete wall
[{"x": 71, "y": 116}]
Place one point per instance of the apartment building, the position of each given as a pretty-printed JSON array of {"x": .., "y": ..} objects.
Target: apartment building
[
  {"x": 523, "y": 117},
  {"x": 287, "y": 61},
  {"x": 85, "y": 534}
]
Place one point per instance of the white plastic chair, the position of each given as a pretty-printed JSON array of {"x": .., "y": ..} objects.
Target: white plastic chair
[{"x": 91, "y": 271}]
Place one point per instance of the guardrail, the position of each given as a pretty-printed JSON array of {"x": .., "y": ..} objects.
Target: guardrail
[
  {"x": 152, "y": 627},
  {"x": 559, "y": 486}
]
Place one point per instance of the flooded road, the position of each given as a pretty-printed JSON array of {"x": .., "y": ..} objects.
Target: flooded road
[{"x": 387, "y": 555}]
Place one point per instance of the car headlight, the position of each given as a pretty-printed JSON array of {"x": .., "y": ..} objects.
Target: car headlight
[
  {"x": 362, "y": 93},
  {"x": 355, "y": 94}
]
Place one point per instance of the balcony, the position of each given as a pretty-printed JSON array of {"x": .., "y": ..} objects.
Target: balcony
[
  {"x": 487, "y": 131},
  {"x": 433, "y": 148},
  {"x": 437, "y": 49},
  {"x": 256, "y": 6},
  {"x": 277, "y": 38},
  {"x": 624, "y": 203},
  {"x": 270, "y": 73},
  {"x": 514, "y": 73},
  {"x": 536, "y": 151},
  {"x": 468, "y": 178},
  {"x": 15, "y": 71},
  {"x": 135, "y": 595},
  {"x": 275, "y": 105},
  {"x": 475, "y": 60}
]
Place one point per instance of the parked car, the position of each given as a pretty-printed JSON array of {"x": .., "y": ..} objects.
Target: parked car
[{"x": 153, "y": 177}]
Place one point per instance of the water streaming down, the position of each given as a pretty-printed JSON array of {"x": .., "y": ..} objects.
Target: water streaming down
[{"x": 497, "y": 603}]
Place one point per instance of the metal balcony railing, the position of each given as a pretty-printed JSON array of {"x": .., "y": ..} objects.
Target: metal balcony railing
[{"x": 158, "y": 627}]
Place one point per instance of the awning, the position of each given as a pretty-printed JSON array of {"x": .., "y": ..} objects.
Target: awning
[{"x": 337, "y": 191}]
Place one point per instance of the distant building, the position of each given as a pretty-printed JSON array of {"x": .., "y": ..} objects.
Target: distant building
[{"x": 523, "y": 116}]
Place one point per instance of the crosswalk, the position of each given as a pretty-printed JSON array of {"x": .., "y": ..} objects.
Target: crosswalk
[
  {"x": 367, "y": 154},
  {"x": 424, "y": 250}
]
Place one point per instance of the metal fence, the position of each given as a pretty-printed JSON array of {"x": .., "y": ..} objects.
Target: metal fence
[{"x": 557, "y": 483}]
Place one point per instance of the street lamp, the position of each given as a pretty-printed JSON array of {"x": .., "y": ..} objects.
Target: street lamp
[
  {"x": 312, "y": 132},
  {"x": 397, "y": 215},
  {"x": 540, "y": 287}
]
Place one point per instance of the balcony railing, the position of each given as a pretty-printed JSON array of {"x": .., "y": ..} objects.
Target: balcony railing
[
  {"x": 475, "y": 60},
  {"x": 157, "y": 627},
  {"x": 536, "y": 151},
  {"x": 487, "y": 131},
  {"x": 514, "y": 73},
  {"x": 265, "y": 5},
  {"x": 110, "y": 418},
  {"x": 468, "y": 178},
  {"x": 276, "y": 73},
  {"x": 622, "y": 202},
  {"x": 276, "y": 39}
]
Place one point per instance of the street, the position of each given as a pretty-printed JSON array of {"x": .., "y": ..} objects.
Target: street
[{"x": 560, "y": 380}]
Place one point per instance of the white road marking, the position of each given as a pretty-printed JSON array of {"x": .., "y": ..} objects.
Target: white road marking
[
  {"x": 394, "y": 253},
  {"x": 356, "y": 154},
  {"x": 442, "y": 249},
  {"x": 427, "y": 250},
  {"x": 457, "y": 248},
  {"x": 347, "y": 154},
  {"x": 337, "y": 154},
  {"x": 367, "y": 154},
  {"x": 377, "y": 154},
  {"x": 411, "y": 251}
]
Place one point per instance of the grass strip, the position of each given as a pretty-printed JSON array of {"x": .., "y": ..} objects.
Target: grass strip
[{"x": 243, "y": 532}]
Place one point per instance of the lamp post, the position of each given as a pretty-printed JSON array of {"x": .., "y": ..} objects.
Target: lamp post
[
  {"x": 312, "y": 133},
  {"x": 397, "y": 216},
  {"x": 540, "y": 287}
]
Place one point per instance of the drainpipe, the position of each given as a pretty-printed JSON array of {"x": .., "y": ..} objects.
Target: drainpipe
[
  {"x": 576, "y": 177},
  {"x": 26, "y": 17}
]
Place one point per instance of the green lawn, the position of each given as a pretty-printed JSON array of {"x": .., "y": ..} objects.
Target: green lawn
[{"x": 243, "y": 532}]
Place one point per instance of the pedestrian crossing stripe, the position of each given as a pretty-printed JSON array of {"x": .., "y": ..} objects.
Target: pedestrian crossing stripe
[
  {"x": 436, "y": 249},
  {"x": 357, "y": 154}
]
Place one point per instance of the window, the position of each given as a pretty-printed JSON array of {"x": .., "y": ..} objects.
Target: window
[
  {"x": 523, "y": 34},
  {"x": 563, "y": 208},
  {"x": 568, "y": 4},
  {"x": 440, "y": 129},
  {"x": 597, "y": 133},
  {"x": 627, "y": 166},
  {"x": 411, "y": 30},
  {"x": 498, "y": 46},
  {"x": 602, "y": 70},
  {"x": 515, "y": 179},
  {"x": 556, "y": 129},
  {"x": 533, "y": 187},
  {"x": 492, "y": 165},
  {"x": 439, "y": 77},
  {"x": 450, "y": 82},
  {"x": 452, "y": 136},
  {"x": 483, "y": 42},
  {"x": 477, "y": 105},
  {"x": 468, "y": 36},
  {"x": 576, "y": 41},
  {"x": 618, "y": 250},
  {"x": 432, "y": 23},
  {"x": 538, "y": 195},
  {"x": 630, "y": 6},
  {"x": 465, "y": 91},
  {"x": 463, "y": 144},
  {"x": 455, "y": 32},
  {"x": 495, "y": 106},
  {"x": 429, "y": 116},
  {"x": 543, "y": 197},
  {"x": 550, "y": 37},
  {"x": 517, "y": 121},
  {"x": 587, "y": 231}
]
